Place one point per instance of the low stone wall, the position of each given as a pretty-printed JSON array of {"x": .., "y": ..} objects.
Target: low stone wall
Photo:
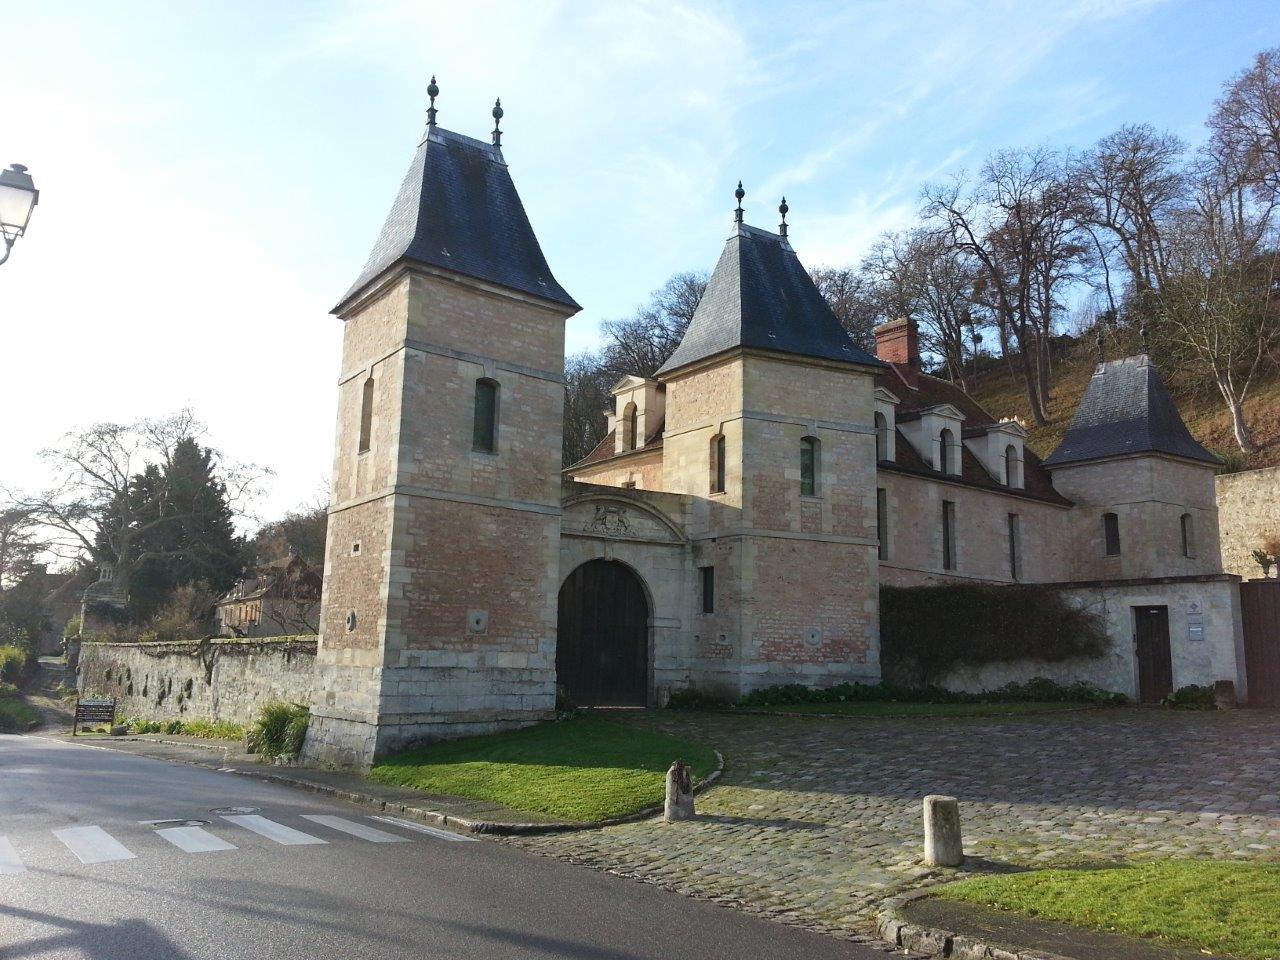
[
  {"x": 1205, "y": 641},
  {"x": 1248, "y": 513},
  {"x": 221, "y": 679}
]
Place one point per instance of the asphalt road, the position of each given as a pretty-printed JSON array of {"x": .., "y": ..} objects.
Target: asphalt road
[{"x": 82, "y": 876}]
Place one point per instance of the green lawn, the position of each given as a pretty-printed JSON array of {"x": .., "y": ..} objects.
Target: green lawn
[
  {"x": 580, "y": 769},
  {"x": 1231, "y": 908},
  {"x": 892, "y": 708}
]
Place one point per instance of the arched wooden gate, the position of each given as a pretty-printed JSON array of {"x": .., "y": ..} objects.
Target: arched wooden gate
[{"x": 602, "y": 641}]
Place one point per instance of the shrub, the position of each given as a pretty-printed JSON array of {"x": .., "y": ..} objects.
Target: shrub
[
  {"x": 184, "y": 615},
  {"x": 280, "y": 729},
  {"x": 927, "y": 631},
  {"x": 695, "y": 699},
  {"x": 1233, "y": 460},
  {"x": 1037, "y": 690},
  {"x": 16, "y": 715},
  {"x": 72, "y": 629},
  {"x": 1191, "y": 697},
  {"x": 13, "y": 659}
]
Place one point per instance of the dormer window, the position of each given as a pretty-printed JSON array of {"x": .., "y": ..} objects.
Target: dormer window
[
  {"x": 946, "y": 451},
  {"x": 1012, "y": 467},
  {"x": 882, "y": 436},
  {"x": 630, "y": 420}
]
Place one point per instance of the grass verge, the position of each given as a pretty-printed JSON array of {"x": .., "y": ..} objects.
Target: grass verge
[
  {"x": 579, "y": 769},
  {"x": 890, "y": 708},
  {"x": 1218, "y": 907},
  {"x": 16, "y": 715}
]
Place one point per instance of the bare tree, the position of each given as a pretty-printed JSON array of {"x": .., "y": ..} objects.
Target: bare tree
[
  {"x": 20, "y": 545},
  {"x": 586, "y": 398},
  {"x": 641, "y": 343},
  {"x": 852, "y": 296},
  {"x": 1246, "y": 123}
]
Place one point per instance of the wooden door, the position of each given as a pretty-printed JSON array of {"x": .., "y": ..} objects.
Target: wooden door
[
  {"x": 1260, "y": 621},
  {"x": 602, "y": 642},
  {"x": 1155, "y": 662}
]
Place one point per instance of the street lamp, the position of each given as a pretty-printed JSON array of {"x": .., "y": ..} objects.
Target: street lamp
[{"x": 18, "y": 197}]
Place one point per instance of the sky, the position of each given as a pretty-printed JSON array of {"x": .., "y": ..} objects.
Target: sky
[{"x": 213, "y": 175}]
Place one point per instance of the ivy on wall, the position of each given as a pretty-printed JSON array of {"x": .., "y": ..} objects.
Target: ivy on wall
[{"x": 927, "y": 631}]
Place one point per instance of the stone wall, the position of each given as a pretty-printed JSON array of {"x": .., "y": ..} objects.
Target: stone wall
[
  {"x": 1248, "y": 513},
  {"x": 199, "y": 680},
  {"x": 1210, "y": 603}
]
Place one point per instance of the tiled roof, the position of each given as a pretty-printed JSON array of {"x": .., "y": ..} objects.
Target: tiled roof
[
  {"x": 458, "y": 209},
  {"x": 760, "y": 296},
  {"x": 1126, "y": 409},
  {"x": 929, "y": 391},
  {"x": 604, "y": 449}
]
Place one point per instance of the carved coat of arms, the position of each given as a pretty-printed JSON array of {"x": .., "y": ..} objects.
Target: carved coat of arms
[{"x": 610, "y": 519}]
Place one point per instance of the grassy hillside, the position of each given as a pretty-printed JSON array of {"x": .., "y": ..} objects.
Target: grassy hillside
[{"x": 1002, "y": 393}]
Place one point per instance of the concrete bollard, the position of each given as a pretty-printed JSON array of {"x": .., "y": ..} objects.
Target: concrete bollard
[
  {"x": 943, "y": 846},
  {"x": 679, "y": 804}
]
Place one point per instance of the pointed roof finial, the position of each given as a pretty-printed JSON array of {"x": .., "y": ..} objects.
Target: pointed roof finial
[
  {"x": 497, "y": 118},
  {"x": 739, "y": 193},
  {"x": 782, "y": 209},
  {"x": 432, "y": 91}
]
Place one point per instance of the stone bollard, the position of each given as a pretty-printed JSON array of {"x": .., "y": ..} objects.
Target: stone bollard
[
  {"x": 679, "y": 805},
  {"x": 943, "y": 846}
]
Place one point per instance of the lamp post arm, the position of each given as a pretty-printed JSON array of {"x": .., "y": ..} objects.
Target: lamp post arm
[{"x": 8, "y": 248}]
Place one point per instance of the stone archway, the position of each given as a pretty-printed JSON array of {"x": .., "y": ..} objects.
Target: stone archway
[{"x": 602, "y": 636}]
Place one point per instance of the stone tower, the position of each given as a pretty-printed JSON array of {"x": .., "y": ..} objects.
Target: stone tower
[
  {"x": 1142, "y": 485},
  {"x": 769, "y": 413},
  {"x": 441, "y": 567}
]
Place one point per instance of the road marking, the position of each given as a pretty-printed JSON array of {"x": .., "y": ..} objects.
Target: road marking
[
  {"x": 10, "y": 862},
  {"x": 194, "y": 839},
  {"x": 360, "y": 830},
  {"x": 93, "y": 844},
  {"x": 423, "y": 828},
  {"x": 272, "y": 830}
]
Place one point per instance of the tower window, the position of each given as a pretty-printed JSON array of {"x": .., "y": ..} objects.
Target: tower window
[
  {"x": 882, "y": 521},
  {"x": 484, "y": 436},
  {"x": 1111, "y": 534},
  {"x": 708, "y": 576},
  {"x": 366, "y": 416},
  {"x": 809, "y": 447},
  {"x": 717, "y": 463},
  {"x": 945, "y": 439},
  {"x": 948, "y": 535},
  {"x": 882, "y": 436},
  {"x": 1188, "y": 536},
  {"x": 1015, "y": 536}
]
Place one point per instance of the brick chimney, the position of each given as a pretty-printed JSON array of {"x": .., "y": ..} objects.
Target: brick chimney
[{"x": 898, "y": 343}]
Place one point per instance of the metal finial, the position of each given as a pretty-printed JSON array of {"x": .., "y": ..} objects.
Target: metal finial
[
  {"x": 1145, "y": 333},
  {"x": 432, "y": 91},
  {"x": 782, "y": 209},
  {"x": 739, "y": 193},
  {"x": 497, "y": 117}
]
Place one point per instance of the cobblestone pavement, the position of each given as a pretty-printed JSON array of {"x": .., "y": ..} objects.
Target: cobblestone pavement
[{"x": 818, "y": 820}]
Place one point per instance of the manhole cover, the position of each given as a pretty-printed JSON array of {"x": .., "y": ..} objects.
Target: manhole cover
[
  {"x": 233, "y": 811},
  {"x": 175, "y": 823}
]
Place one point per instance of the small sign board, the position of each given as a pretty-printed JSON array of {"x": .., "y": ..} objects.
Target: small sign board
[{"x": 94, "y": 712}]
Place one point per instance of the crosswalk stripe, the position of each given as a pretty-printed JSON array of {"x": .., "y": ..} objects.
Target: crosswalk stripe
[
  {"x": 194, "y": 839},
  {"x": 363, "y": 831},
  {"x": 10, "y": 862},
  {"x": 93, "y": 844},
  {"x": 272, "y": 830},
  {"x": 423, "y": 828}
]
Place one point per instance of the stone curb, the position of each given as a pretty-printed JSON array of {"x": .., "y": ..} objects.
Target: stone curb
[
  {"x": 1080, "y": 708},
  {"x": 934, "y": 942},
  {"x": 421, "y": 813}
]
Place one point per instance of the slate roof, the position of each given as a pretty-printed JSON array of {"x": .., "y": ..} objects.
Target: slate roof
[
  {"x": 604, "y": 449},
  {"x": 1126, "y": 409},
  {"x": 760, "y": 296},
  {"x": 458, "y": 209}
]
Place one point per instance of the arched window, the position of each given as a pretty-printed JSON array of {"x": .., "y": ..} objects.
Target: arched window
[
  {"x": 366, "y": 416},
  {"x": 484, "y": 434},
  {"x": 1012, "y": 468},
  {"x": 1188, "y": 536},
  {"x": 809, "y": 448},
  {"x": 882, "y": 436},
  {"x": 717, "y": 463},
  {"x": 1111, "y": 534},
  {"x": 630, "y": 420},
  {"x": 945, "y": 439}
]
